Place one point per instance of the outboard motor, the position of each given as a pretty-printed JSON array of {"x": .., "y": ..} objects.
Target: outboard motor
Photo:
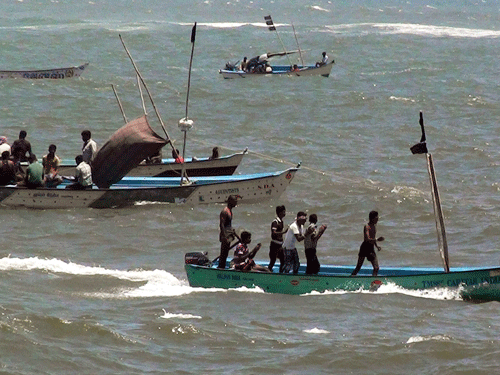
[{"x": 198, "y": 259}]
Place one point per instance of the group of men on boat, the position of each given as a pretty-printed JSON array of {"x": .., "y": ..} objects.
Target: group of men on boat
[
  {"x": 284, "y": 240},
  {"x": 45, "y": 174},
  {"x": 259, "y": 64}
]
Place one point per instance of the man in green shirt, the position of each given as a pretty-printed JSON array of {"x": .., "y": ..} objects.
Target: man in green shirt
[{"x": 34, "y": 173}]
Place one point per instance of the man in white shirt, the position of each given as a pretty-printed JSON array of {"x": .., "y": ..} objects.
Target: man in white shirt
[
  {"x": 295, "y": 233},
  {"x": 89, "y": 149},
  {"x": 83, "y": 175}
]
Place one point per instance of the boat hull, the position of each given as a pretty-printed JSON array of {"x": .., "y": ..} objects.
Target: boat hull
[
  {"x": 337, "y": 278},
  {"x": 484, "y": 292},
  {"x": 225, "y": 165},
  {"x": 133, "y": 190},
  {"x": 61, "y": 73},
  {"x": 282, "y": 70}
]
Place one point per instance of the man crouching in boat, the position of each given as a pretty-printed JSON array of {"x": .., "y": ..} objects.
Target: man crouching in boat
[{"x": 243, "y": 258}]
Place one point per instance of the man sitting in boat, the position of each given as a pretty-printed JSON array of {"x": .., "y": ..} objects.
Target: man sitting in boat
[
  {"x": 215, "y": 153},
  {"x": 7, "y": 170},
  {"x": 51, "y": 163},
  {"x": 243, "y": 258},
  {"x": 258, "y": 64},
  {"x": 83, "y": 175},
  {"x": 243, "y": 65},
  {"x": 34, "y": 173},
  {"x": 177, "y": 156},
  {"x": 323, "y": 61}
]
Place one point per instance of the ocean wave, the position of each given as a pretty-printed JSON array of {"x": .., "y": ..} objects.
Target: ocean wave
[
  {"x": 230, "y": 25},
  {"x": 316, "y": 330},
  {"x": 167, "y": 315},
  {"x": 415, "y": 29},
  {"x": 415, "y": 339}
]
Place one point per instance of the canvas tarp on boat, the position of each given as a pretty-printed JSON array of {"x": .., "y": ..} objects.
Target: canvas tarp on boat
[{"x": 126, "y": 148}]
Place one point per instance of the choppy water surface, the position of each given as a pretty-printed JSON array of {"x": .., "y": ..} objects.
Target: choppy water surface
[{"x": 104, "y": 291}]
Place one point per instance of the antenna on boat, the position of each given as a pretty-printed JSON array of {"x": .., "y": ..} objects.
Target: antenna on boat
[
  {"x": 119, "y": 104},
  {"x": 298, "y": 46},
  {"x": 185, "y": 124},
  {"x": 270, "y": 23},
  {"x": 421, "y": 148}
]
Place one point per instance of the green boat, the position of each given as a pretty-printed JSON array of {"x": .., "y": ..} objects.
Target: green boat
[
  {"x": 473, "y": 283},
  {"x": 334, "y": 278}
]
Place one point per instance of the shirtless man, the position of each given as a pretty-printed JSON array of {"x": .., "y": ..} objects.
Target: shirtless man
[
  {"x": 227, "y": 233},
  {"x": 367, "y": 248}
]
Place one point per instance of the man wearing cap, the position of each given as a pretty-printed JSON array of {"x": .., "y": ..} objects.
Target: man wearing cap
[
  {"x": 227, "y": 232},
  {"x": 295, "y": 233}
]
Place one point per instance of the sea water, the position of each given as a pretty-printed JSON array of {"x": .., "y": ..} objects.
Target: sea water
[{"x": 104, "y": 291}]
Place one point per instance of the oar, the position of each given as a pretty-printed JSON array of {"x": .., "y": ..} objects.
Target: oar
[{"x": 233, "y": 245}]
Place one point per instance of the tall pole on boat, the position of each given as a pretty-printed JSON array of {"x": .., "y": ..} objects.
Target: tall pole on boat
[
  {"x": 270, "y": 23},
  {"x": 421, "y": 148},
  {"x": 146, "y": 87},
  {"x": 298, "y": 46},
  {"x": 119, "y": 104},
  {"x": 185, "y": 123}
]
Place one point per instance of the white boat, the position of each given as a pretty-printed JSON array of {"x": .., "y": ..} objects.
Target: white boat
[
  {"x": 133, "y": 190},
  {"x": 281, "y": 70},
  {"x": 224, "y": 165},
  {"x": 59, "y": 73}
]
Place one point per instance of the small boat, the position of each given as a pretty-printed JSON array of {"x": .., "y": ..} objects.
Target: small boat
[
  {"x": 472, "y": 283},
  {"x": 128, "y": 191},
  {"x": 332, "y": 278},
  {"x": 124, "y": 150},
  {"x": 224, "y": 165},
  {"x": 258, "y": 66},
  {"x": 282, "y": 70},
  {"x": 60, "y": 73}
]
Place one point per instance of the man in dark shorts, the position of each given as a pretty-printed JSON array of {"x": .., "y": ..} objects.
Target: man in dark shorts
[
  {"x": 275, "y": 250},
  {"x": 227, "y": 233},
  {"x": 367, "y": 248}
]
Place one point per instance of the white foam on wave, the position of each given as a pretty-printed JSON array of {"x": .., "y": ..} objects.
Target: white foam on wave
[
  {"x": 415, "y": 339},
  {"x": 316, "y": 331},
  {"x": 316, "y": 7},
  {"x": 436, "y": 294},
  {"x": 155, "y": 282},
  {"x": 416, "y": 29},
  {"x": 167, "y": 315}
]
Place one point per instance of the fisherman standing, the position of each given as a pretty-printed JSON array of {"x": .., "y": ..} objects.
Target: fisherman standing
[
  {"x": 367, "y": 248},
  {"x": 295, "y": 233},
  {"x": 227, "y": 233},
  {"x": 89, "y": 149}
]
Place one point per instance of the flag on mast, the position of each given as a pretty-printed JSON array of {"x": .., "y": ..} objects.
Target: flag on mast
[{"x": 270, "y": 23}]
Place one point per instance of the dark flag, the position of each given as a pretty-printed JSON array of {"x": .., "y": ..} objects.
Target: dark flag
[
  {"x": 193, "y": 33},
  {"x": 269, "y": 22},
  {"x": 421, "y": 147}
]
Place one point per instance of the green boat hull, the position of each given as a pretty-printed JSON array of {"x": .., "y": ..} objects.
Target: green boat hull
[
  {"x": 484, "y": 292},
  {"x": 335, "y": 278}
]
